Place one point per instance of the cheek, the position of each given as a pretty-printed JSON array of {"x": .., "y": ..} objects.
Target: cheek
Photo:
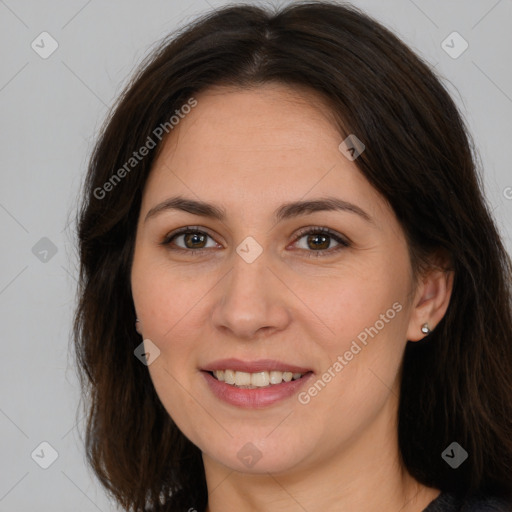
[
  {"x": 164, "y": 295},
  {"x": 360, "y": 366},
  {"x": 368, "y": 316},
  {"x": 178, "y": 398},
  {"x": 165, "y": 306},
  {"x": 363, "y": 306}
]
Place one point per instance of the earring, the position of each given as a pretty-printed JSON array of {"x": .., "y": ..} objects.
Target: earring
[{"x": 425, "y": 329}]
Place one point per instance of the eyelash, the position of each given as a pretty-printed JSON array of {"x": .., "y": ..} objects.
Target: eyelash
[{"x": 343, "y": 243}]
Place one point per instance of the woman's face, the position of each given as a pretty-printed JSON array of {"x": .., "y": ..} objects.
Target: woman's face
[{"x": 264, "y": 295}]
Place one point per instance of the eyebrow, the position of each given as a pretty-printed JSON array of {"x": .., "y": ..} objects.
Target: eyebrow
[{"x": 286, "y": 211}]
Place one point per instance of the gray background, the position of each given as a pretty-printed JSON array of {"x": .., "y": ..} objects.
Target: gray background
[{"x": 51, "y": 110}]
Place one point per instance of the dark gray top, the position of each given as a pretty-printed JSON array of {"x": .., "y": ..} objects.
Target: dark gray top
[{"x": 449, "y": 502}]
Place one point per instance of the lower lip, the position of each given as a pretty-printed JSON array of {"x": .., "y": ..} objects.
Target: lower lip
[{"x": 254, "y": 398}]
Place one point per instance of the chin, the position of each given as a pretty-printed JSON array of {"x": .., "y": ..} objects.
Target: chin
[{"x": 262, "y": 455}]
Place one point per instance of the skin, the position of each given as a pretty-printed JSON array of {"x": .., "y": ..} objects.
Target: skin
[{"x": 249, "y": 151}]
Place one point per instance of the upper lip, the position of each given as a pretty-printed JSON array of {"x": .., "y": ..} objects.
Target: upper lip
[{"x": 260, "y": 365}]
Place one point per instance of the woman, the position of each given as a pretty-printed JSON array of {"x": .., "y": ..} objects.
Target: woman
[{"x": 293, "y": 295}]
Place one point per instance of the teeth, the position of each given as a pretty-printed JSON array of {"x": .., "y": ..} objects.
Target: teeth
[
  {"x": 259, "y": 379},
  {"x": 255, "y": 380},
  {"x": 243, "y": 379},
  {"x": 229, "y": 376},
  {"x": 275, "y": 377}
]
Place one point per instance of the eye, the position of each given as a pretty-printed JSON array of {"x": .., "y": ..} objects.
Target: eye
[
  {"x": 193, "y": 240},
  {"x": 319, "y": 240}
]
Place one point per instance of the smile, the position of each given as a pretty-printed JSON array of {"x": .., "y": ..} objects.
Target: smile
[
  {"x": 247, "y": 380},
  {"x": 254, "y": 384}
]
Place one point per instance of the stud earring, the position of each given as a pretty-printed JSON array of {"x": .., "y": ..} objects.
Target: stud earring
[{"x": 425, "y": 329}]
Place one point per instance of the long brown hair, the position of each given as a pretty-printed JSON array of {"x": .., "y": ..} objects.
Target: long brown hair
[{"x": 419, "y": 156}]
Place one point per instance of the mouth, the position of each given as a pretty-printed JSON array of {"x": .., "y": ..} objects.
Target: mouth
[
  {"x": 254, "y": 384},
  {"x": 257, "y": 380}
]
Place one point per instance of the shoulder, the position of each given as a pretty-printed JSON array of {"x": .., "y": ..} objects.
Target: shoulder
[
  {"x": 450, "y": 502},
  {"x": 487, "y": 504}
]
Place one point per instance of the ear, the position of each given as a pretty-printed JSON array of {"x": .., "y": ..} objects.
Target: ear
[
  {"x": 431, "y": 301},
  {"x": 138, "y": 326}
]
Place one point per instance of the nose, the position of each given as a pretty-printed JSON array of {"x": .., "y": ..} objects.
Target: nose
[{"x": 252, "y": 301}]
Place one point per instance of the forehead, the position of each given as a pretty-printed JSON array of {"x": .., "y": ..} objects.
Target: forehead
[
  {"x": 268, "y": 142},
  {"x": 272, "y": 117}
]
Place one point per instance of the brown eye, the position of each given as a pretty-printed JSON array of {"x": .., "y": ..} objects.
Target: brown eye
[
  {"x": 187, "y": 239},
  {"x": 194, "y": 240},
  {"x": 319, "y": 241}
]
